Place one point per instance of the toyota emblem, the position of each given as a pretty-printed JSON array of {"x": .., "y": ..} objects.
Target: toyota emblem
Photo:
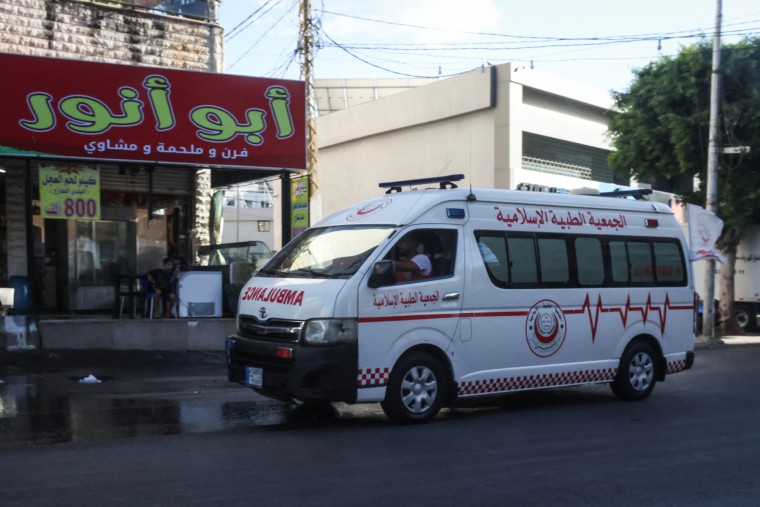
[{"x": 263, "y": 312}]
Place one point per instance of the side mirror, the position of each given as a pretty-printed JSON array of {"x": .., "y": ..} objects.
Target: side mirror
[{"x": 383, "y": 273}]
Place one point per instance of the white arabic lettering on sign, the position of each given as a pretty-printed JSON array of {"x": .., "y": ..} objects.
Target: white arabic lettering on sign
[{"x": 108, "y": 146}]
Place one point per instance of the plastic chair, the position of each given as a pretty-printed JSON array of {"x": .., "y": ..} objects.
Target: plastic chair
[
  {"x": 148, "y": 296},
  {"x": 22, "y": 318},
  {"x": 128, "y": 291}
]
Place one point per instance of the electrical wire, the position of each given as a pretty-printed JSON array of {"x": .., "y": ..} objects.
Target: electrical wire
[
  {"x": 266, "y": 32},
  {"x": 476, "y": 52},
  {"x": 239, "y": 28},
  {"x": 573, "y": 44},
  {"x": 647, "y": 36}
]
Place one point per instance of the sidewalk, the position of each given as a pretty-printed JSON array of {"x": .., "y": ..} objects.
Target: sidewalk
[
  {"x": 706, "y": 343},
  {"x": 107, "y": 362}
]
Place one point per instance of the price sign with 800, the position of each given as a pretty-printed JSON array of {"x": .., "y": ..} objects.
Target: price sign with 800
[{"x": 80, "y": 208}]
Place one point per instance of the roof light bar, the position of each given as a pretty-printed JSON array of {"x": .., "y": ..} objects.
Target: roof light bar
[{"x": 443, "y": 181}]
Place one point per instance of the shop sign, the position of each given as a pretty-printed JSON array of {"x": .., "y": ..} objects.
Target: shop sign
[
  {"x": 70, "y": 192},
  {"x": 299, "y": 203},
  {"x": 73, "y": 109}
]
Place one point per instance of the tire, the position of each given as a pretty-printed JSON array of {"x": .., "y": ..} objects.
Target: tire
[
  {"x": 637, "y": 373},
  {"x": 417, "y": 388},
  {"x": 744, "y": 317}
]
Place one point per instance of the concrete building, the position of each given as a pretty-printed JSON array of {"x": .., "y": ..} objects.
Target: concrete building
[{"x": 504, "y": 126}]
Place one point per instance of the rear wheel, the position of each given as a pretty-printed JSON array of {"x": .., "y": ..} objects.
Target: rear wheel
[
  {"x": 416, "y": 390},
  {"x": 637, "y": 375},
  {"x": 745, "y": 317}
]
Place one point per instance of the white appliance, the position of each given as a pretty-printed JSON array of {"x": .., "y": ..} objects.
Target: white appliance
[{"x": 200, "y": 293}]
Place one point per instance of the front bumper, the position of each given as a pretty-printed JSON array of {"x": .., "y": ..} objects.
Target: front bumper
[{"x": 309, "y": 374}]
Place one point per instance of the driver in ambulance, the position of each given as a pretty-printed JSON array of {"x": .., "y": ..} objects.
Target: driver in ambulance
[{"x": 409, "y": 263}]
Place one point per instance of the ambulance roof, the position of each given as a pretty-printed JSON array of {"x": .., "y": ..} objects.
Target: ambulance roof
[{"x": 401, "y": 208}]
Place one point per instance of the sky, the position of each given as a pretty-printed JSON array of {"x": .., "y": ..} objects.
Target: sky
[{"x": 598, "y": 43}]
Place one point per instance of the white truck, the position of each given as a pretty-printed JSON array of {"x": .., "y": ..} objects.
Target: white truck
[{"x": 746, "y": 279}]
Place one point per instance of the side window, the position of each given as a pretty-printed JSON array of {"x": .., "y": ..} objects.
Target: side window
[
  {"x": 589, "y": 261},
  {"x": 525, "y": 260},
  {"x": 440, "y": 245},
  {"x": 552, "y": 253},
  {"x": 493, "y": 251},
  {"x": 432, "y": 251},
  {"x": 619, "y": 261},
  {"x": 642, "y": 267},
  {"x": 522, "y": 260},
  {"x": 668, "y": 262}
]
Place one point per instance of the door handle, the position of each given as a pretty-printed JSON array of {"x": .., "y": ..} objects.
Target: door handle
[{"x": 451, "y": 296}]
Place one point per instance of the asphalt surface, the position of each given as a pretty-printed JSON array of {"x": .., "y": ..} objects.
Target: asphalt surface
[
  {"x": 169, "y": 430},
  {"x": 60, "y": 396}
]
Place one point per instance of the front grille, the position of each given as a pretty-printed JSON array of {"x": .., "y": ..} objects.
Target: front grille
[{"x": 275, "y": 330}]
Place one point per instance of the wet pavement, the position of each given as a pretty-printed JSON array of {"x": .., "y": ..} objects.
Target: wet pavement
[
  {"x": 63, "y": 396},
  {"x": 51, "y": 397}
]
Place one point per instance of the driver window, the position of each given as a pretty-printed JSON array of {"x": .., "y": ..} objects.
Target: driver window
[{"x": 424, "y": 254}]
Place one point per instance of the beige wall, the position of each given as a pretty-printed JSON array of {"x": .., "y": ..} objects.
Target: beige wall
[
  {"x": 442, "y": 128},
  {"x": 452, "y": 126}
]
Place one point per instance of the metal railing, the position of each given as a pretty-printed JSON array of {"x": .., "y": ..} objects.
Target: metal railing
[{"x": 559, "y": 168}]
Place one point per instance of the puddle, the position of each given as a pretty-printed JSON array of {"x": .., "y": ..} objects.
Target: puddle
[
  {"x": 92, "y": 379},
  {"x": 57, "y": 408}
]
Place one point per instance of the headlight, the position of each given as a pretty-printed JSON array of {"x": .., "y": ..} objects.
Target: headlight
[{"x": 330, "y": 331}]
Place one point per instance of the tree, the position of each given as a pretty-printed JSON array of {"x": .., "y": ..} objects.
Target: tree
[{"x": 660, "y": 128}]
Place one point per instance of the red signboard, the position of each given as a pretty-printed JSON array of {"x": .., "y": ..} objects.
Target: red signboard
[{"x": 71, "y": 109}]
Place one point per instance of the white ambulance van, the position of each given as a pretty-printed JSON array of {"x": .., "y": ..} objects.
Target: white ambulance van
[{"x": 520, "y": 291}]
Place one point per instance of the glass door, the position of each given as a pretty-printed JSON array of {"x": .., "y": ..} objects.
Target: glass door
[{"x": 98, "y": 251}]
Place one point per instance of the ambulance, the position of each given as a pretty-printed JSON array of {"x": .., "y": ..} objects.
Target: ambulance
[{"x": 521, "y": 291}]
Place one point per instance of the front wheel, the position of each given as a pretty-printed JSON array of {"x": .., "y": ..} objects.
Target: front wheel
[
  {"x": 636, "y": 376},
  {"x": 416, "y": 390}
]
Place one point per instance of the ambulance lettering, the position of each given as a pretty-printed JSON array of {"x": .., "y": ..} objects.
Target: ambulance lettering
[
  {"x": 281, "y": 296},
  {"x": 564, "y": 220}
]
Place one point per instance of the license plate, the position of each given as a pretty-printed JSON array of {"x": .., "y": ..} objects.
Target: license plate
[{"x": 254, "y": 376}]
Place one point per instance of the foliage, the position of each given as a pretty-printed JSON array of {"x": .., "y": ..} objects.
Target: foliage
[{"x": 661, "y": 126}]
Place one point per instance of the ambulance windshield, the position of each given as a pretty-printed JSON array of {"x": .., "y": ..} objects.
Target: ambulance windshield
[{"x": 329, "y": 252}]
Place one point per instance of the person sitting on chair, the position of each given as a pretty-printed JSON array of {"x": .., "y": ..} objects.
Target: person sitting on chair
[
  {"x": 409, "y": 264},
  {"x": 162, "y": 284}
]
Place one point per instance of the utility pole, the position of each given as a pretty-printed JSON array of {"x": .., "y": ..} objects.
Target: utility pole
[
  {"x": 307, "y": 50},
  {"x": 713, "y": 150}
]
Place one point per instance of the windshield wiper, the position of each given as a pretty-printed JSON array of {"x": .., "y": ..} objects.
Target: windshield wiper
[
  {"x": 314, "y": 273},
  {"x": 272, "y": 272}
]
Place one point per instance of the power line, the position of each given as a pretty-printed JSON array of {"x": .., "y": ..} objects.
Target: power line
[
  {"x": 259, "y": 39},
  {"x": 521, "y": 44},
  {"x": 384, "y": 68},
  {"x": 646, "y": 36},
  {"x": 239, "y": 28}
]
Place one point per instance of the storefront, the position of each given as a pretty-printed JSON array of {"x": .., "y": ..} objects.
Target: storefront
[{"x": 105, "y": 169}]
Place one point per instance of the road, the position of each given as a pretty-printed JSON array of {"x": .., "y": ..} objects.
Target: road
[{"x": 188, "y": 438}]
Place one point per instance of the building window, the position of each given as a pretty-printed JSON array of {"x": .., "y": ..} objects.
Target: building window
[
  {"x": 556, "y": 156},
  {"x": 265, "y": 225}
]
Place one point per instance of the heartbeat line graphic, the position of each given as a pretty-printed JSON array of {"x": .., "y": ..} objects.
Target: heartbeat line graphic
[{"x": 593, "y": 314}]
